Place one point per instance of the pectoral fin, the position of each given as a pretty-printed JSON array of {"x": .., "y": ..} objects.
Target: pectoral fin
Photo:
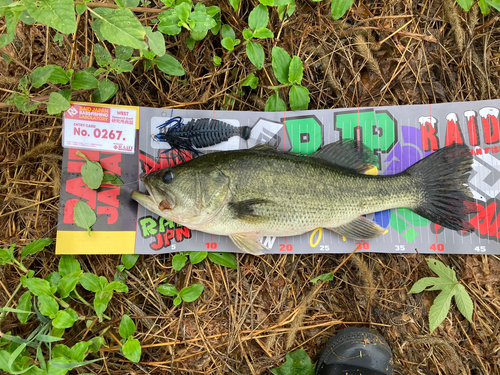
[
  {"x": 249, "y": 243},
  {"x": 246, "y": 210},
  {"x": 360, "y": 229}
]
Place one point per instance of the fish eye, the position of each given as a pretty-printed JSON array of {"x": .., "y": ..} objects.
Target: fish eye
[{"x": 168, "y": 177}]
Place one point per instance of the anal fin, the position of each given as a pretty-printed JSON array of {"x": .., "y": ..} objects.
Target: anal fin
[
  {"x": 249, "y": 243},
  {"x": 359, "y": 229}
]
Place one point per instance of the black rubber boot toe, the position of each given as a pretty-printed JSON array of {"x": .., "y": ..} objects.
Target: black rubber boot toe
[{"x": 356, "y": 351}]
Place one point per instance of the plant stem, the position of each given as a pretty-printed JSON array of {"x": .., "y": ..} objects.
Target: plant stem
[
  {"x": 4, "y": 313},
  {"x": 20, "y": 265},
  {"x": 82, "y": 299}
]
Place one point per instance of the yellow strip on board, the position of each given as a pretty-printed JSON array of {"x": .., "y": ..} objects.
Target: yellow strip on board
[{"x": 69, "y": 242}]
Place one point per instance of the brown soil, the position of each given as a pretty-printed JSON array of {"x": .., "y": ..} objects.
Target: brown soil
[{"x": 381, "y": 53}]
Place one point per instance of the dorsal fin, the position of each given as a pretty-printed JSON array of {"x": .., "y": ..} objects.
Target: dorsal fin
[{"x": 348, "y": 153}]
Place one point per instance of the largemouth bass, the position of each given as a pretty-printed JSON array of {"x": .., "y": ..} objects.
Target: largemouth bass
[{"x": 247, "y": 194}]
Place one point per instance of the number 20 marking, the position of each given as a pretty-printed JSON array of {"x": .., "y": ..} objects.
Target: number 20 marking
[{"x": 286, "y": 247}]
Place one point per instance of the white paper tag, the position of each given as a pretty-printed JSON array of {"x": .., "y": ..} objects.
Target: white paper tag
[{"x": 103, "y": 128}]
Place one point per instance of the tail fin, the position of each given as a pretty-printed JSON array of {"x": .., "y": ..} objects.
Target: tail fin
[{"x": 447, "y": 200}]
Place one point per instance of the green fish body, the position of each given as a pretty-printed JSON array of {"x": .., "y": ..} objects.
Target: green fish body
[{"x": 247, "y": 194}]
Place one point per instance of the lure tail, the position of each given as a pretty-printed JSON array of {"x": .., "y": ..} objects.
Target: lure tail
[{"x": 446, "y": 199}]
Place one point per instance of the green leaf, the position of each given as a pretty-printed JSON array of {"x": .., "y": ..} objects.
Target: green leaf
[
  {"x": 296, "y": 70},
  {"x": 129, "y": 260},
  {"x": 48, "y": 306},
  {"x": 24, "y": 303},
  {"x": 127, "y": 3},
  {"x": 191, "y": 293},
  {"x": 58, "y": 14},
  {"x": 47, "y": 338},
  {"x": 202, "y": 21},
  {"x": 217, "y": 60},
  {"x": 247, "y": 34},
  {"x": 90, "y": 282},
  {"x": 183, "y": 11},
  {"x": 465, "y": 4},
  {"x": 58, "y": 75},
  {"x": 177, "y": 301},
  {"x": 227, "y": 32},
  {"x": 227, "y": 43},
  {"x": 169, "y": 65},
  {"x": 120, "y": 26},
  {"x": 289, "y": 9},
  {"x": 255, "y": 54},
  {"x": 101, "y": 301},
  {"x": 190, "y": 42},
  {"x": 50, "y": 73},
  {"x": 299, "y": 98},
  {"x": 197, "y": 256},
  {"x": 156, "y": 41},
  {"x": 68, "y": 264},
  {"x": 179, "y": 261},
  {"x": 68, "y": 283},
  {"x": 440, "y": 308},
  {"x": 11, "y": 18},
  {"x": 275, "y": 104},
  {"x": 79, "y": 351},
  {"x": 427, "y": 282},
  {"x": 102, "y": 56},
  {"x": 7, "y": 255},
  {"x": 259, "y": 17},
  {"x": 38, "y": 286},
  {"x": 464, "y": 302},
  {"x": 92, "y": 172},
  {"x": 107, "y": 90},
  {"x": 281, "y": 63},
  {"x": 121, "y": 66},
  {"x": 168, "y": 290},
  {"x": 64, "y": 319},
  {"x": 251, "y": 81},
  {"x": 323, "y": 277},
  {"x": 223, "y": 259},
  {"x": 57, "y": 104},
  {"x": 340, "y": 7},
  {"x": 263, "y": 33},
  {"x": 84, "y": 216},
  {"x": 450, "y": 288},
  {"x": 40, "y": 75},
  {"x": 35, "y": 246},
  {"x": 54, "y": 279},
  {"x": 123, "y": 53},
  {"x": 235, "y": 4},
  {"x": 485, "y": 9},
  {"x": 81, "y": 8},
  {"x": 169, "y": 22},
  {"x": 117, "y": 286},
  {"x": 22, "y": 102},
  {"x": 132, "y": 350},
  {"x": 127, "y": 327},
  {"x": 297, "y": 363},
  {"x": 62, "y": 351},
  {"x": 441, "y": 270}
]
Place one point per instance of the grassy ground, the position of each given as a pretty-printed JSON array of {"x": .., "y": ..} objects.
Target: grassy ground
[{"x": 381, "y": 53}]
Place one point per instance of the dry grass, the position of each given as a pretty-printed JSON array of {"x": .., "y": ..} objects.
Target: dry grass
[{"x": 382, "y": 53}]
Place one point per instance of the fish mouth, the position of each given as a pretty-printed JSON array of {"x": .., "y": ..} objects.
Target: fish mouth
[{"x": 156, "y": 200}]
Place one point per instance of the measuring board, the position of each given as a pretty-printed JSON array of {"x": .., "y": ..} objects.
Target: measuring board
[{"x": 399, "y": 137}]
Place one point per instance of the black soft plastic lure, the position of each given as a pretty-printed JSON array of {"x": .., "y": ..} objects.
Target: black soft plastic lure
[{"x": 199, "y": 133}]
